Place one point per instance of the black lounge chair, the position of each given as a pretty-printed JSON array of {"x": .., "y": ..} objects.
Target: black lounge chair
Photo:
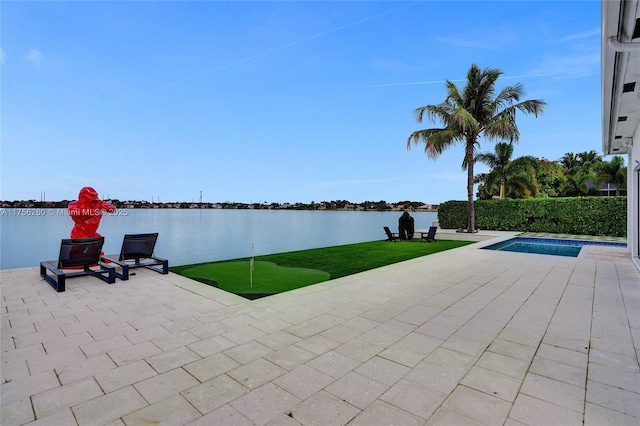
[
  {"x": 78, "y": 257},
  {"x": 390, "y": 235},
  {"x": 430, "y": 235},
  {"x": 137, "y": 252}
]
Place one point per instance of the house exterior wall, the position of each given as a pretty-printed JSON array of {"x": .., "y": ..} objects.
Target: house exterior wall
[
  {"x": 633, "y": 199},
  {"x": 620, "y": 64}
]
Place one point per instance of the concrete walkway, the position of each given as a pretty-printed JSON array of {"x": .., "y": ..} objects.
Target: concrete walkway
[{"x": 463, "y": 337}]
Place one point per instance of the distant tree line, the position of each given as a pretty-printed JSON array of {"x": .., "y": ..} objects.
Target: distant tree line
[{"x": 381, "y": 205}]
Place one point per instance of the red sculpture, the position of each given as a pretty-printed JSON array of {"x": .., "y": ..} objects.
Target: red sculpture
[{"x": 87, "y": 212}]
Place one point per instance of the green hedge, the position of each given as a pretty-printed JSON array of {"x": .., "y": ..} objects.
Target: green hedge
[{"x": 576, "y": 215}]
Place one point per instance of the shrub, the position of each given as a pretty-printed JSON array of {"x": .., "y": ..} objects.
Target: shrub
[{"x": 575, "y": 215}]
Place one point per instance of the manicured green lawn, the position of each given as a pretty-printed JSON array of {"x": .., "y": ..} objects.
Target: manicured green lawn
[
  {"x": 276, "y": 273},
  {"x": 235, "y": 276}
]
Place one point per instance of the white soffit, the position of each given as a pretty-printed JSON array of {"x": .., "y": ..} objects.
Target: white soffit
[{"x": 620, "y": 75}]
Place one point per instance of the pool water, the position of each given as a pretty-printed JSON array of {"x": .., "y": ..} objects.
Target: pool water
[{"x": 570, "y": 248}]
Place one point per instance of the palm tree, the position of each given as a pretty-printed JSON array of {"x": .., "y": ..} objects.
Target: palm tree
[
  {"x": 522, "y": 177},
  {"x": 470, "y": 114},
  {"x": 570, "y": 162},
  {"x": 589, "y": 161},
  {"x": 498, "y": 162},
  {"x": 613, "y": 171},
  {"x": 576, "y": 184},
  {"x": 580, "y": 169},
  {"x": 517, "y": 180}
]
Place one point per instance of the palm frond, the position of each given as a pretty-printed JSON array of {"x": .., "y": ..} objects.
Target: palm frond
[
  {"x": 507, "y": 96},
  {"x": 440, "y": 112},
  {"x": 479, "y": 178},
  {"x": 503, "y": 127},
  {"x": 465, "y": 121},
  {"x": 419, "y": 113},
  {"x": 453, "y": 95},
  {"x": 533, "y": 106},
  {"x": 488, "y": 158},
  {"x": 435, "y": 141}
]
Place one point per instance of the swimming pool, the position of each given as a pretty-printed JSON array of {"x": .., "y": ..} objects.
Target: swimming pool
[{"x": 570, "y": 248}]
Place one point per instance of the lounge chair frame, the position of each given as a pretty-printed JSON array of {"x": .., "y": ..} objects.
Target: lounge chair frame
[
  {"x": 137, "y": 252},
  {"x": 78, "y": 257},
  {"x": 390, "y": 235},
  {"x": 430, "y": 235}
]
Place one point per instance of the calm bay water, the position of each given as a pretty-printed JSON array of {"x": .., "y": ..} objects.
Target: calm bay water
[{"x": 194, "y": 235}]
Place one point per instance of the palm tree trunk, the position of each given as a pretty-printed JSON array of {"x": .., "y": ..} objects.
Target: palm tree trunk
[{"x": 471, "y": 226}]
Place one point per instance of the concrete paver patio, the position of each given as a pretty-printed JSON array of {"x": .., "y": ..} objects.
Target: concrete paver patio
[{"x": 463, "y": 337}]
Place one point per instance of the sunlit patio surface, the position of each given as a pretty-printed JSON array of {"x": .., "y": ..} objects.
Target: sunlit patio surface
[{"x": 462, "y": 337}]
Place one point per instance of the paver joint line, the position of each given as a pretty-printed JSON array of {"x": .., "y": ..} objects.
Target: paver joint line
[{"x": 485, "y": 337}]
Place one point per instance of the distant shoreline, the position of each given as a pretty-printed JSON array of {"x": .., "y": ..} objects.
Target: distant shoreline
[
  {"x": 62, "y": 211},
  {"x": 30, "y": 207}
]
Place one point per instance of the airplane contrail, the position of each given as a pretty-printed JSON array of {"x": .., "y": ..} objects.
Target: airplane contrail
[
  {"x": 270, "y": 51},
  {"x": 288, "y": 45}
]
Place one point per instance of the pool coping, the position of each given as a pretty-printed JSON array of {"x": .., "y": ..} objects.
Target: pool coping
[
  {"x": 494, "y": 236},
  {"x": 560, "y": 241},
  {"x": 540, "y": 242},
  {"x": 601, "y": 238},
  {"x": 484, "y": 238}
]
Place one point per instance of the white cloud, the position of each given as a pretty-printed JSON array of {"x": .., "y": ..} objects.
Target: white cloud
[
  {"x": 474, "y": 43},
  {"x": 570, "y": 65},
  {"x": 595, "y": 32},
  {"x": 492, "y": 38},
  {"x": 34, "y": 57}
]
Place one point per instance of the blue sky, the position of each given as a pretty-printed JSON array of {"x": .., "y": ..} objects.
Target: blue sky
[{"x": 275, "y": 101}]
